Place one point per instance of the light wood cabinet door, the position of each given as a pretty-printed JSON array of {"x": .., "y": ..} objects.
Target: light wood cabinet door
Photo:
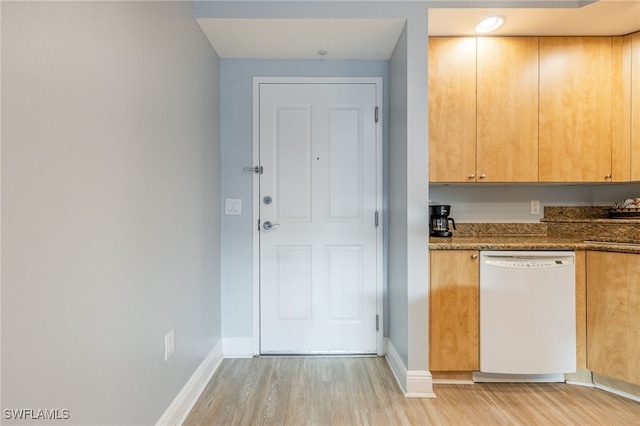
[
  {"x": 452, "y": 109},
  {"x": 635, "y": 106},
  {"x": 507, "y": 109},
  {"x": 454, "y": 317},
  {"x": 621, "y": 110},
  {"x": 575, "y": 109},
  {"x": 613, "y": 315}
]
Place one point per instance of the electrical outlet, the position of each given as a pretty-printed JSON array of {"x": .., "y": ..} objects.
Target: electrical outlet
[
  {"x": 535, "y": 206},
  {"x": 169, "y": 344}
]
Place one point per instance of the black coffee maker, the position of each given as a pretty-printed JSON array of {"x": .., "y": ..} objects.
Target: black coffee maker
[{"x": 439, "y": 221}]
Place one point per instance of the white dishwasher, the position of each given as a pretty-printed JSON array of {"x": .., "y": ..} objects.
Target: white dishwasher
[{"x": 527, "y": 315}]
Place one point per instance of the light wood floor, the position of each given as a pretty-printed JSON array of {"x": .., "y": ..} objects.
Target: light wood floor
[{"x": 362, "y": 391}]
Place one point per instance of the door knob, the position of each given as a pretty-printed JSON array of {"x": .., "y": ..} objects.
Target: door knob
[{"x": 268, "y": 225}]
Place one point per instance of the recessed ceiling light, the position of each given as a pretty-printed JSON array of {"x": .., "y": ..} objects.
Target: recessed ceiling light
[{"x": 490, "y": 23}]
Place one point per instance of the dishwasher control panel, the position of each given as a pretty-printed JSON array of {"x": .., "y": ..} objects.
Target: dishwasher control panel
[{"x": 517, "y": 262}]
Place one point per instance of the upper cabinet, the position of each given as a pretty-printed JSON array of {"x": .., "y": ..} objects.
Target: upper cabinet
[
  {"x": 507, "y": 114},
  {"x": 485, "y": 131},
  {"x": 634, "y": 58},
  {"x": 529, "y": 109},
  {"x": 621, "y": 110},
  {"x": 575, "y": 109},
  {"x": 452, "y": 109}
]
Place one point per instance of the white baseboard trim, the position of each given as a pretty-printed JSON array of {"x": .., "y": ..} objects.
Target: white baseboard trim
[
  {"x": 187, "y": 397},
  {"x": 237, "y": 347},
  {"x": 413, "y": 384},
  {"x": 395, "y": 364},
  {"x": 579, "y": 383},
  {"x": 452, "y": 382},
  {"x": 617, "y": 391}
]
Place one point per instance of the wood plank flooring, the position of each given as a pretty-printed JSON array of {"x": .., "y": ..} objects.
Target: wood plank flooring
[{"x": 363, "y": 391}]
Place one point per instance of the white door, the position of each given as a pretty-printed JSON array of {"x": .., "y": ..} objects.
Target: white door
[{"x": 318, "y": 190}]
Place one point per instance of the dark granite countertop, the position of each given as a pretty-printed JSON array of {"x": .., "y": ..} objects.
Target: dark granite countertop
[
  {"x": 562, "y": 228},
  {"x": 499, "y": 242}
]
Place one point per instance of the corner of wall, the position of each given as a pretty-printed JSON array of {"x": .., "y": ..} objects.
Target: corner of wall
[{"x": 413, "y": 384}]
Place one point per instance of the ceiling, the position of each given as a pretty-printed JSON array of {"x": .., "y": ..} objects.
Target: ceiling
[
  {"x": 605, "y": 17},
  {"x": 376, "y": 38},
  {"x": 303, "y": 38}
]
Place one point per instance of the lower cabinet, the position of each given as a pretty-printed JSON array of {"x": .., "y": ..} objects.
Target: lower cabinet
[
  {"x": 581, "y": 310},
  {"x": 613, "y": 315},
  {"x": 454, "y": 315}
]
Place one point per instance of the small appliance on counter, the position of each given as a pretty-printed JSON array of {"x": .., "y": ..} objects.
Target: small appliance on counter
[{"x": 439, "y": 220}]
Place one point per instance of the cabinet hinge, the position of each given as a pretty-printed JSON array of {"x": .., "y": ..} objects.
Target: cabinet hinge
[
  {"x": 376, "y": 114},
  {"x": 377, "y": 322},
  {"x": 377, "y": 220}
]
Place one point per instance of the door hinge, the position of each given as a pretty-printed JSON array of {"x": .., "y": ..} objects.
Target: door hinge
[
  {"x": 377, "y": 219},
  {"x": 376, "y": 114},
  {"x": 258, "y": 224},
  {"x": 377, "y": 322}
]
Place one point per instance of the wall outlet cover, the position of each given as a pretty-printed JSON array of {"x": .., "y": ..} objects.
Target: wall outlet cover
[
  {"x": 535, "y": 206},
  {"x": 169, "y": 344}
]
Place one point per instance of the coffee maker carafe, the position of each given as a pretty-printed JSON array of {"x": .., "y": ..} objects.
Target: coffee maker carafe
[{"x": 439, "y": 221}]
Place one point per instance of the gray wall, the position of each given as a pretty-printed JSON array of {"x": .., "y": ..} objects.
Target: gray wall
[
  {"x": 408, "y": 195},
  {"x": 417, "y": 191},
  {"x": 512, "y": 203},
  {"x": 110, "y": 206},
  {"x": 397, "y": 212},
  {"x": 236, "y": 96}
]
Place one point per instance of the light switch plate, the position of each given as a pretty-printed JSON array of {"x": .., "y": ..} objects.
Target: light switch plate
[
  {"x": 232, "y": 206},
  {"x": 169, "y": 344}
]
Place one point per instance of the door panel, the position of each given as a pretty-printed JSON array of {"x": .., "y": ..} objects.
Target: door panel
[
  {"x": 294, "y": 282},
  {"x": 318, "y": 279},
  {"x": 345, "y": 151},
  {"x": 293, "y": 162},
  {"x": 344, "y": 272}
]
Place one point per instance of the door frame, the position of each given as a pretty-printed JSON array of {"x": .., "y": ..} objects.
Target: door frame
[{"x": 257, "y": 81}]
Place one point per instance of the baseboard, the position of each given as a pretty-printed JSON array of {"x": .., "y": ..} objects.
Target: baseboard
[
  {"x": 412, "y": 383},
  {"x": 617, "y": 386},
  {"x": 617, "y": 392},
  {"x": 581, "y": 375},
  {"x": 187, "y": 397},
  {"x": 396, "y": 365},
  {"x": 237, "y": 347}
]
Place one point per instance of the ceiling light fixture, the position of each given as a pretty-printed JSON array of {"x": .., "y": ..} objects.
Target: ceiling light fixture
[{"x": 490, "y": 23}]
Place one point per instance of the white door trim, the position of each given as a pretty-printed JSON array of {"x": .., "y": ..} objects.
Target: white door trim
[{"x": 256, "y": 192}]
